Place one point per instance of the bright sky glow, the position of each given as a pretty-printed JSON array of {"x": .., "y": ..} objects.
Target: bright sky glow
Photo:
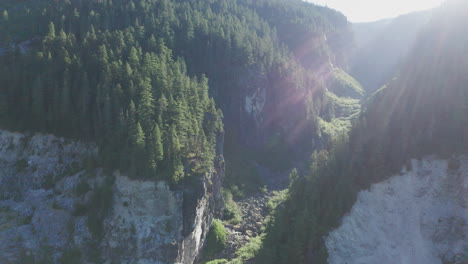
[{"x": 372, "y": 10}]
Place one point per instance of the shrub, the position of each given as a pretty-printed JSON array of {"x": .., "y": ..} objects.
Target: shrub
[
  {"x": 250, "y": 250},
  {"x": 217, "y": 261},
  {"x": 232, "y": 212},
  {"x": 247, "y": 251},
  {"x": 216, "y": 238},
  {"x": 277, "y": 198}
]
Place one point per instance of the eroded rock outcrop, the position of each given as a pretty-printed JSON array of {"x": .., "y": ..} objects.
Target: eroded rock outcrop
[
  {"x": 49, "y": 197},
  {"x": 417, "y": 217}
]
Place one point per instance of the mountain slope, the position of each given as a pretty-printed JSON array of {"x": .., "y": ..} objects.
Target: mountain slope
[
  {"x": 143, "y": 80},
  {"x": 415, "y": 217},
  {"x": 266, "y": 63},
  {"x": 421, "y": 112},
  {"x": 58, "y": 206},
  {"x": 382, "y": 45}
]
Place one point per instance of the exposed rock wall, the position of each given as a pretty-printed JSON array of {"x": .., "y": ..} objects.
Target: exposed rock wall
[
  {"x": 417, "y": 217},
  {"x": 44, "y": 182},
  {"x": 38, "y": 174}
]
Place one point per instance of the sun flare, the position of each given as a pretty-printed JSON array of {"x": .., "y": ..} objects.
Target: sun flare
[{"x": 372, "y": 10}]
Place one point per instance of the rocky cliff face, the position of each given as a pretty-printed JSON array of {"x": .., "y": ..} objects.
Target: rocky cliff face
[
  {"x": 55, "y": 206},
  {"x": 416, "y": 217}
]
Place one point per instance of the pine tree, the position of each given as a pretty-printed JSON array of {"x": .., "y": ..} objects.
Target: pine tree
[
  {"x": 152, "y": 43},
  {"x": 155, "y": 147},
  {"x": 137, "y": 147},
  {"x": 293, "y": 177},
  {"x": 51, "y": 33},
  {"x": 174, "y": 143},
  {"x": 146, "y": 105},
  {"x": 133, "y": 59},
  {"x": 138, "y": 137},
  {"x": 131, "y": 114},
  {"x": 103, "y": 57},
  {"x": 91, "y": 33},
  {"x": 177, "y": 170}
]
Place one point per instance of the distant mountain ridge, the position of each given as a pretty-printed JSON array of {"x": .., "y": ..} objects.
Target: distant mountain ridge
[{"x": 382, "y": 45}]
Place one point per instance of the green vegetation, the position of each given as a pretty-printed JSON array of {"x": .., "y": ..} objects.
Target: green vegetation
[
  {"x": 130, "y": 75},
  {"x": 21, "y": 20},
  {"x": 337, "y": 121},
  {"x": 248, "y": 251},
  {"x": 343, "y": 85},
  {"x": 251, "y": 249},
  {"x": 215, "y": 239},
  {"x": 419, "y": 113},
  {"x": 277, "y": 198},
  {"x": 244, "y": 253},
  {"x": 116, "y": 85},
  {"x": 144, "y": 79},
  {"x": 232, "y": 213},
  {"x": 241, "y": 174},
  {"x": 217, "y": 261}
]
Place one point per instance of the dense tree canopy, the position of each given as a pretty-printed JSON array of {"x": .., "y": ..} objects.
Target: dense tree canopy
[
  {"x": 119, "y": 87},
  {"x": 423, "y": 111},
  {"x": 120, "y": 71}
]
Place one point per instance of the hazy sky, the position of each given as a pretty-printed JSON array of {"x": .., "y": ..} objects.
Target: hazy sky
[{"x": 371, "y": 10}]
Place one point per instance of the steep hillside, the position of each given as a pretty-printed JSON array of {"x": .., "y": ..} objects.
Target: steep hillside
[
  {"x": 145, "y": 81},
  {"x": 58, "y": 206},
  {"x": 421, "y": 112},
  {"x": 268, "y": 66},
  {"x": 382, "y": 46},
  {"x": 145, "y": 91},
  {"x": 418, "y": 216}
]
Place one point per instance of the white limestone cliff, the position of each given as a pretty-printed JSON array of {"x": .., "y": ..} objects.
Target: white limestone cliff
[{"x": 418, "y": 217}]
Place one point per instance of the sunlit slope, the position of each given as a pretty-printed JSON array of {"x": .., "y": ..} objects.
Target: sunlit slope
[
  {"x": 417, "y": 216},
  {"x": 422, "y": 112},
  {"x": 343, "y": 97},
  {"x": 424, "y": 107}
]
